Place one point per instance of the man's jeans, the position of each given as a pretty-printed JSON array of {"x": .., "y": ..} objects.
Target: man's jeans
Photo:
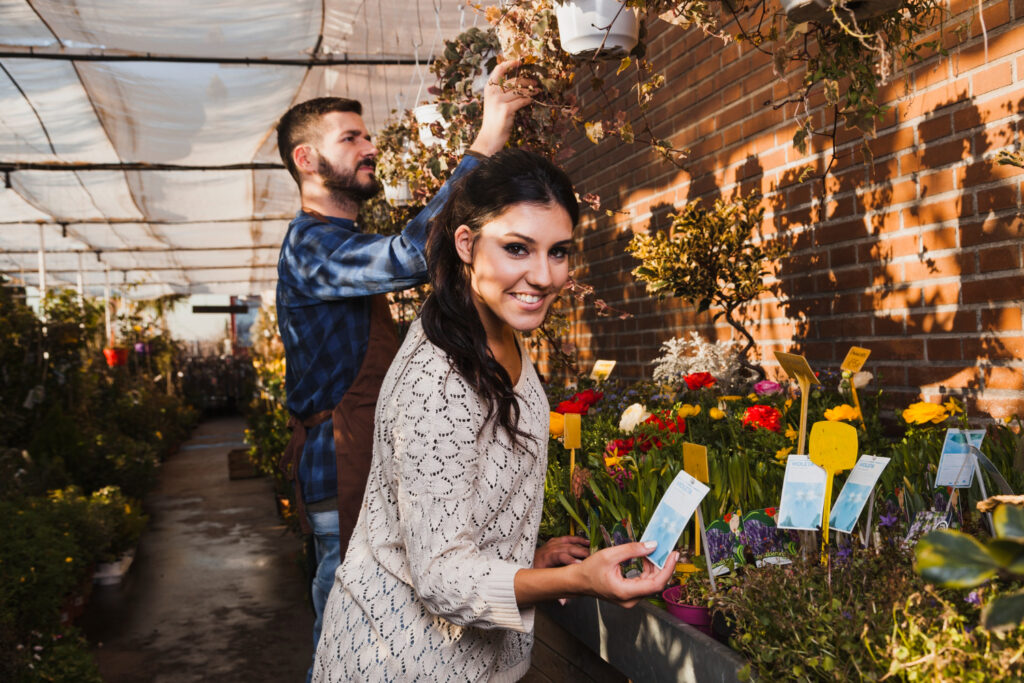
[{"x": 328, "y": 557}]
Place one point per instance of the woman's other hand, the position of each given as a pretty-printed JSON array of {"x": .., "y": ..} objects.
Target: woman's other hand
[{"x": 561, "y": 551}]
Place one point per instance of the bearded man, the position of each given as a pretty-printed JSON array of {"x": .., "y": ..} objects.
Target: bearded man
[{"x": 334, "y": 319}]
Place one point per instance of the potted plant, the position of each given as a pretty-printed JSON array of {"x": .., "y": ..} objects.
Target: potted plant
[
  {"x": 710, "y": 257},
  {"x": 605, "y": 28},
  {"x": 688, "y": 601}
]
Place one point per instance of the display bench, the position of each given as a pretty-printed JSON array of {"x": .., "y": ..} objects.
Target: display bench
[{"x": 642, "y": 644}]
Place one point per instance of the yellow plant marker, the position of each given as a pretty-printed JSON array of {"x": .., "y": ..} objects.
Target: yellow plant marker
[
  {"x": 602, "y": 369},
  {"x": 695, "y": 463},
  {"x": 798, "y": 369},
  {"x": 833, "y": 447},
  {"x": 572, "y": 439},
  {"x": 854, "y": 361}
]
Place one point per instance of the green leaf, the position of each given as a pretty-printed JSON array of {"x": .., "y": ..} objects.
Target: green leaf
[
  {"x": 1003, "y": 612},
  {"x": 1009, "y": 553},
  {"x": 1008, "y": 521},
  {"x": 952, "y": 558}
]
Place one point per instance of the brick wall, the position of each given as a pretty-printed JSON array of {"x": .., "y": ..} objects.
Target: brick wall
[{"x": 916, "y": 256}]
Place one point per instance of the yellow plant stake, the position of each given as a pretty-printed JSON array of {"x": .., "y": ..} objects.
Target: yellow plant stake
[
  {"x": 854, "y": 361},
  {"x": 798, "y": 369},
  {"x": 833, "y": 447},
  {"x": 695, "y": 463},
  {"x": 572, "y": 439}
]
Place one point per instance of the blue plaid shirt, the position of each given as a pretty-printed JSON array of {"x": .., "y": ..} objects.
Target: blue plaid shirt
[{"x": 326, "y": 273}]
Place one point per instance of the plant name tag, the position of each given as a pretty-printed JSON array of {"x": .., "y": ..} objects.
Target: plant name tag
[
  {"x": 803, "y": 494},
  {"x": 855, "y": 359},
  {"x": 672, "y": 515},
  {"x": 856, "y": 492},
  {"x": 796, "y": 367},
  {"x": 602, "y": 369},
  {"x": 571, "y": 434},
  {"x": 956, "y": 464}
]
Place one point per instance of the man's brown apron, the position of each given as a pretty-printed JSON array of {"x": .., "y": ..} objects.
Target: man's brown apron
[{"x": 352, "y": 419}]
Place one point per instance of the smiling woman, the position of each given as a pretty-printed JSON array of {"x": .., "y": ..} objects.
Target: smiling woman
[{"x": 443, "y": 567}]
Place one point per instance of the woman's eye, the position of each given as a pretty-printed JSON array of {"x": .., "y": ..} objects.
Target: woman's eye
[
  {"x": 516, "y": 249},
  {"x": 559, "y": 253}
]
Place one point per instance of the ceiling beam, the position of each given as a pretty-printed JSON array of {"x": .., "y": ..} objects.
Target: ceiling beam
[
  {"x": 12, "y": 166},
  {"x": 92, "y": 55}
]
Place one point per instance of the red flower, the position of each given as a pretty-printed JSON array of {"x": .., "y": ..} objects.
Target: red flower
[
  {"x": 762, "y": 417},
  {"x": 572, "y": 406},
  {"x": 580, "y": 402},
  {"x": 727, "y": 517},
  {"x": 770, "y": 511},
  {"x": 667, "y": 423},
  {"x": 699, "y": 380}
]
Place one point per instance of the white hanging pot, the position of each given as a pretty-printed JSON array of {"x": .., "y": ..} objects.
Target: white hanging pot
[
  {"x": 398, "y": 194},
  {"x": 427, "y": 114},
  {"x": 603, "y": 27},
  {"x": 480, "y": 82},
  {"x": 799, "y": 11}
]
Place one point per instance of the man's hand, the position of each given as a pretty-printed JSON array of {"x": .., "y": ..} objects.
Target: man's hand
[
  {"x": 561, "y": 551},
  {"x": 502, "y": 99}
]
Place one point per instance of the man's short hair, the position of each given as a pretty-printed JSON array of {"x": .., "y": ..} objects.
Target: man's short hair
[{"x": 301, "y": 125}]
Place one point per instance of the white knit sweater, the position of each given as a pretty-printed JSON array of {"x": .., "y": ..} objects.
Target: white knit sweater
[{"x": 426, "y": 588}]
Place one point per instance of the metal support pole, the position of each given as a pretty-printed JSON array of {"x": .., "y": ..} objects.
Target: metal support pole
[
  {"x": 42, "y": 266},
  {"x": 106, "y": 307},
  {"x": 81, "y": 285}
]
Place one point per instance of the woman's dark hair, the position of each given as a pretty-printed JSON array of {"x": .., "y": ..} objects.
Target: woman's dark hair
[{"x": 449, "y": 317}]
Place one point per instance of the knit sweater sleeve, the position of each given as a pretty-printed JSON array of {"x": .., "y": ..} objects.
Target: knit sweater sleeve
[{"x": 441, "y": 496}]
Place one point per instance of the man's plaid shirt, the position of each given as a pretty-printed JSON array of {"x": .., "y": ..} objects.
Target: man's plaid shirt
[{"x": 326, "y": 272}]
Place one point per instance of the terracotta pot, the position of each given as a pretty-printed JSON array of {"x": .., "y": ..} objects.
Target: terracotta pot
[
  {"x": 695, "y": 615},
  {"x": 115, "y": 355}
]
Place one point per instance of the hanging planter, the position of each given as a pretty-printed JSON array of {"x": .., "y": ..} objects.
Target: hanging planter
[
  {"x": 427, "y": 115},
  {"x": 398, "y": 194},
  {"x": 115, "y": 355},
  {"x": 697, "y": 616},
  {"x": 604, "y": 28}
]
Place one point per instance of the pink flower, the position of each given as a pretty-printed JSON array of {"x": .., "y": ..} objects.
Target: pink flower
[{"x": 767, "y": 388}]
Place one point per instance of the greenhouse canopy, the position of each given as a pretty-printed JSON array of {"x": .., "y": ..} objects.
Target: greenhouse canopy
[{"x": 137, "y": 137}]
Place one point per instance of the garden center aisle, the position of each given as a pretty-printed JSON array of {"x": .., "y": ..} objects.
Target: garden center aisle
[{"x": 217, "y": 588}]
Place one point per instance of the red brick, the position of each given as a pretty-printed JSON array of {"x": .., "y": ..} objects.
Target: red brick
[
  {"x": 945, "y": 349},
  {"x": 957, "y": 378},
  {"x": 1001, "y": 319},
  {"x": 1006, "y": 288},
  {"x": 938, "y": 127},
  {"x": 929, "y": 267},
  {"x": 1000, "y": 258},
  {"x": 940, "y": 294},
  {"x": 856, "y": 327},
  {"x": 938, "y": 211},
  {"x": 937, "y": 183},
  {"x": 936, "y": 322},
  {"x": 994, "y": 348},
  {"x": 995, "y": 15},
  {"x": 992, "y": 229},
  {"x": 893, "y": 325},
  {"x": 897, "y": 349},
  {"x": 996, "y": 198},
  {"x": 934, "y": 100},
  {"x": 938, "y": 239},
  {"x": 993, "y": 78},
  {"x": 1011, "y": 379}
]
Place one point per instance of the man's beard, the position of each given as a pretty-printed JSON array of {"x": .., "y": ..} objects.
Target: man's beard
[{"x": 345, "y": 187}]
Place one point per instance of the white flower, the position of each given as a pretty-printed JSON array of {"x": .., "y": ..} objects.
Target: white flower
[
  {"x": 680, "y": 357},
  {"x": 861, "y": 379},
  {"x": 632, "y": 416}
]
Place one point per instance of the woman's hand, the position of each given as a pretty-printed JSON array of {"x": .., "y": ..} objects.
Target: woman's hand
[
  {"x": 502, "y": 99},
  {"x": 561, "y": 551},
  {"x": 604, "y": 578}
]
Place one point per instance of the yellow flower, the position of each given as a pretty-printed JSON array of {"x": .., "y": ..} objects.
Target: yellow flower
[
  {"x": 730, "y": 398},
  {"x": 953, "y": 406},
  {"x": 127, "y": 509},
  {"x": 159, "y": 436},
  {"x": 791, "y": 433},
  {"x": 921, "y": 412},
  {"x": 788, "y": 403},
  {"x": 716, "y": 414},
  {"x": 557, "y": 424},
  {"x": 842, "y": 412},
  {"x": 783, "y": 453},
  {"x": 752, "y": 396},
  {"x": 688, "y": 410},
  {"x": 612, "y": 460},
  {"x": 68, "y": 559}
]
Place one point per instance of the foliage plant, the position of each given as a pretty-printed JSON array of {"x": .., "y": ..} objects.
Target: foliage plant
[
  {"x": 711, "y": 257},
  {"x": 953, "y": 558}
]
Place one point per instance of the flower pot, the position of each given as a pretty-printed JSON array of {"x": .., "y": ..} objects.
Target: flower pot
[
  {"x": 398, "y": 194},
  {"x": 695, "y": 615},
  {"x": 597, "y": 27},
  {"x": 115, "y": 355},
  {"x": 427, "y": 114}
]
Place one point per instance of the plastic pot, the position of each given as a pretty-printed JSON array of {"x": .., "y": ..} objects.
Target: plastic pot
[
  {"x": 696, "y": 616},
  {"x": 115, "y": 355},
  {"x": 602, "y": 27}
]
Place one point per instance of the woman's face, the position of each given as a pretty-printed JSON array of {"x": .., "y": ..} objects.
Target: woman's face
[{"x": 519, "y": 262}]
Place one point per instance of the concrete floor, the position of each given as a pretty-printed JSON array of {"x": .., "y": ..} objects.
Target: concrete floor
[{"x": 217, "y": 591}]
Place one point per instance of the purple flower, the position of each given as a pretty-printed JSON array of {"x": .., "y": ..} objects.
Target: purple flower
[
  {"x": 974, "y": 598},
  {"x": 888, "y": 520},
  {"x": 767, "y": 388}
]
